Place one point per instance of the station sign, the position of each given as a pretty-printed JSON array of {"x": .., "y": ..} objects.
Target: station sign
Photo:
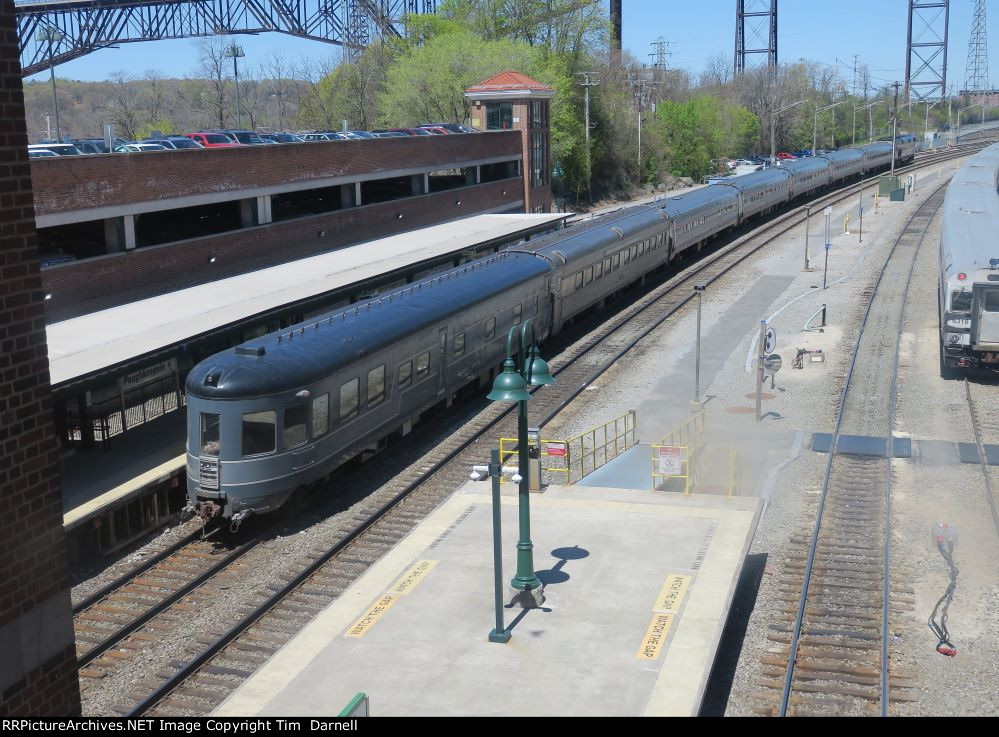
[
  {"x": 555, "y": 449},
  {"x": 669, "y": 460},
  {"x": 148, "y": 375}
]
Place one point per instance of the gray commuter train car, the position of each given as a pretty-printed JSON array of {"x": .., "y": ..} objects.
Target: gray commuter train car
[
  {"x": 603, "y": 259},
  {"x": 807, "y": 175},
  {"x": 281, "y": 411},
  {"x": 968, "y": 294},
  {"x": 843, "y": 164},
  {"x": 760, "y": 192},
  {"x": 700, "y": 215}
]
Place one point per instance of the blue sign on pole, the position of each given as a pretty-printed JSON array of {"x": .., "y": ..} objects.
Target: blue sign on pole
[{"x": 828, "y": 246}]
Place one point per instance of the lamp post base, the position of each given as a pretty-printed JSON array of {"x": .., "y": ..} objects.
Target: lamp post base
[
  {"x": 500, "y": 637},
  {"x": 529, "y": 599}
]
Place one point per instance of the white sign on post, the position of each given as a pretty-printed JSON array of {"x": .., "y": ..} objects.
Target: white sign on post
[{"x": 669, "y": 461}]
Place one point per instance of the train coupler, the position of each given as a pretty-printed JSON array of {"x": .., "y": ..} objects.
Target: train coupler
[
  {"x": 238, "y": 519},
  {"x": 208, "y": 510}
]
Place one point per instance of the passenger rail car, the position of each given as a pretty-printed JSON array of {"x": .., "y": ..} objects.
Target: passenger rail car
[
  {"x": 284, "y": 410},
  {"x": 968, "y": 295}
]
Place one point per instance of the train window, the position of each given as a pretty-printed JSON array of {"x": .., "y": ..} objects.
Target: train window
[
  {"x": 376, "y": 384},
  {"x": 320, "y": 415},
  {"x": 992, "y": 301},
  {"x": 296, "y": 432},
  {"x": 490, "y": 328},
  {"x": 634, "y": 252},
  {"x": 598, "y": 270},
  {"x": 607, "y": 265},
  {"x": 348, "y": 400},
  {"x": 579, "y": 280},
  {"x": 960, "y": 301},
  {"x": 405, "y": 374},
  {"x": 259, "y": 432},
  {"x": 627, "y": 256},
  {"x": 422, "y": 365},
  {"x": 209, "y": 434},
  {"x": 588, "y": 275},
  {"x": 617, "y": 260},
  {"x": 459, "y": 345},
  {"x": 536, "y": 303},
  {"x": 518, "y": 312}
]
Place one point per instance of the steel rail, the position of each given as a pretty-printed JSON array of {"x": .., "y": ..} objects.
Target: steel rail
[
  {"x": 124, "y": 580},
  {"x": 789, "y": 220},
  {"x": 982, "y": 460},
  {"x": 833, "y": 447},
  {"x": 165, "y": 604}
]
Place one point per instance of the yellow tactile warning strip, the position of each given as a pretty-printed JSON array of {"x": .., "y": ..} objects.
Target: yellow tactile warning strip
[
  {"x": 667, "y": 605},
  {"x": 411, "y": 578},
  {"x": 370, "y": 617},
  {"x": 403, "y": 585},
  {"x": 655, "y": 636},
  {"x": 673, "y": 591}
]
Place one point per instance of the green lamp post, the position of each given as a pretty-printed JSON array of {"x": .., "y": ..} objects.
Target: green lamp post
[{"x": 512, "y": 386}]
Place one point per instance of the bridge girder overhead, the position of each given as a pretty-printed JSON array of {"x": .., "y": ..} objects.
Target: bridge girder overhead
[{"x": 89, "y": 25}]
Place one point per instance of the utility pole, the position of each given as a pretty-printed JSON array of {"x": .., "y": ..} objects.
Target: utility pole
[
  {"x": 589, "y": 80},
  {"x": 894, "y": 128},
  {"x": 855, "y": 57},
  {"x": 639, "y": 85},
  {"x": 236, "y": 52}
]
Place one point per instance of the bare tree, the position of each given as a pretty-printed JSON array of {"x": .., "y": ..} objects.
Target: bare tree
[
  {"x": 278, "y": 72},
  {"x": 717, "y": 71},
  {"x": 212, "y": 67},
  {"x": 122, "y": 108}
]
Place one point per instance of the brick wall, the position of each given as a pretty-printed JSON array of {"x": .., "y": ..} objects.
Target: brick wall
[
  {"x": 84, "y": 182},
  {"x": 37, "y": 664},
  {"x": 86, "y": 286}
]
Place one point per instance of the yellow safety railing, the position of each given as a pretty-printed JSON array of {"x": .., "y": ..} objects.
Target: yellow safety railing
[
  {"x": 734, "y": 475},
  {"x": 675, "y": 455},
  {"x": 573, "y": 459}
]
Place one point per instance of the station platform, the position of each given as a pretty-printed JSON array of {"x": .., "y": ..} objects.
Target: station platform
[
  {"x": 148, "y": 455},
  {"x": 638, "y": 587},
  {"x": 85, "y": 345}
]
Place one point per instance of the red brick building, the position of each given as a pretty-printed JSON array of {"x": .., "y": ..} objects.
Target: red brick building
[
  {"x": 513, "y": 101},
  {"x": 37, "y": 652}
]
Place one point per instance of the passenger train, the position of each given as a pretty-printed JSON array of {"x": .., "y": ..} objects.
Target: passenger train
[
  {"x": 282, "y": 411},
  {"x": 968, "y": 295}
]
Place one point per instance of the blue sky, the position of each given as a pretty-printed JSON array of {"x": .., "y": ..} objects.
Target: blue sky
[{"x": 873, "y": 29}]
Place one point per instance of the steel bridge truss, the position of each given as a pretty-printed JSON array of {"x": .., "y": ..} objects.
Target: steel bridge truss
[
  {"x": 755, "y": 34},
  {"x": 82, "y": 26},
  {"x": 926, "y": 62}
]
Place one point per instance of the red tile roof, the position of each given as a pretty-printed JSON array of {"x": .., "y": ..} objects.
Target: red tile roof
[{"x": 511, "y": 81}]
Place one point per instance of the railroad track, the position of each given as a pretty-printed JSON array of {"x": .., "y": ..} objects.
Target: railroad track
[
  {"x": 220, "y": 658},
  {"x": 986, "y": 429},
  {"x": 832, "y": 633}
]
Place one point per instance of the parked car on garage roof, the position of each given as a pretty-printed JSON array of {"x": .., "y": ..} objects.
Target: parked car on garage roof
[{"x": 61, "y": 149}]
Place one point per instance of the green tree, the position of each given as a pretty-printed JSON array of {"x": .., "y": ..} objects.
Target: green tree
[{"x": 428, "y": 82}]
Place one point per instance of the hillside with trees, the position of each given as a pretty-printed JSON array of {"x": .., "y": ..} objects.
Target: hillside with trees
[{"x": 687, "y": 125}]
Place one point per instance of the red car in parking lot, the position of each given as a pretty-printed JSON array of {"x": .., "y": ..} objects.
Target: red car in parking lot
[{"x": 212, "y": 140}]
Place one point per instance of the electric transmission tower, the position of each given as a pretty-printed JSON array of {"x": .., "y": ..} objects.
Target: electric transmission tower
[
  {"x": 976, "y": 78},
  {"x": 660, "y": 53},
  {"x": 755, "y": 33}
]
